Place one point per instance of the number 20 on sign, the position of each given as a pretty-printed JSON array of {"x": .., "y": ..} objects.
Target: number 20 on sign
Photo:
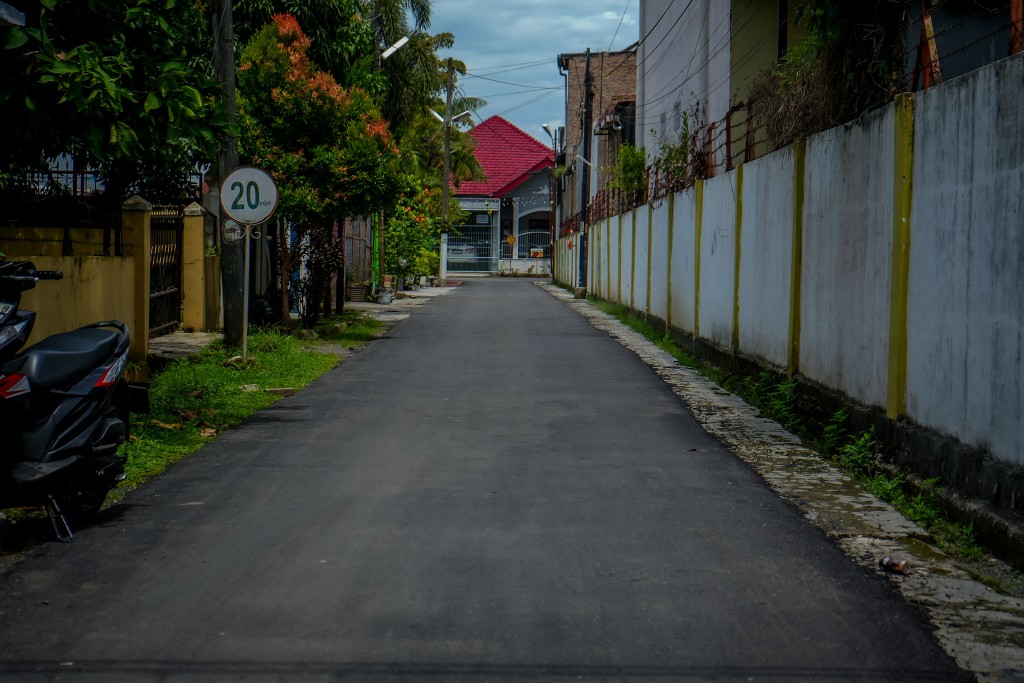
[{"x": 248, "y": 195}]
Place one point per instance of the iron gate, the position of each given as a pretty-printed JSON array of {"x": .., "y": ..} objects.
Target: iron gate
[
  {"x": 471, "y": 249},
  {"x": 166, "y": 226}
]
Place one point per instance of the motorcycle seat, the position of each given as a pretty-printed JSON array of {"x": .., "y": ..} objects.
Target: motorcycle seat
[{"x": 59, "y": 359}]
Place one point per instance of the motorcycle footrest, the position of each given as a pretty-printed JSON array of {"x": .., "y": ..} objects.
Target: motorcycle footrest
[{"x": 28, "y": 472}]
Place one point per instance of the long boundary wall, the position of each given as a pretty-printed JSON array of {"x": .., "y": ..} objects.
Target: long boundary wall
[{"x": 883, "y": 260}]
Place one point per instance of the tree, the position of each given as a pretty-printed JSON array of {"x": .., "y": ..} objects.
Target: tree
[
  {"x": 341, "y": 38},
  {"x": 423, "y": 146},
  {"x": 327, "y": 148},
  {"x": 117, "y": 84}
]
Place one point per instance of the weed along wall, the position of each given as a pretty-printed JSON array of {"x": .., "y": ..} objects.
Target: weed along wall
[{"x": 883, "y": 259}]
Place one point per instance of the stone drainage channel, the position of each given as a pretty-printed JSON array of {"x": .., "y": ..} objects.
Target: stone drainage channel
[{"x": 983, "y": 630}]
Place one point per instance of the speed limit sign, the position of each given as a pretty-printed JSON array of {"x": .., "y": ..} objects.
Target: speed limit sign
[{"x": 248, "y": 195}]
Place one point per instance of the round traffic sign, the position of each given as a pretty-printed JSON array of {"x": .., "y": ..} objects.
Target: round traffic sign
[{"x": 248, "y": 195}]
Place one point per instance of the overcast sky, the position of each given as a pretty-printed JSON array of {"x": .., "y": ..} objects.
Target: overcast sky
[{"x": 518, "y": 42}]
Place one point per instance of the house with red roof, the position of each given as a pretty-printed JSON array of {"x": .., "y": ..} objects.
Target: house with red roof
[{"x": 510, "y": 220}]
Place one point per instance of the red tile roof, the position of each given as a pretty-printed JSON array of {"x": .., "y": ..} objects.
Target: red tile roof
[{"x": 508, "y": 156}]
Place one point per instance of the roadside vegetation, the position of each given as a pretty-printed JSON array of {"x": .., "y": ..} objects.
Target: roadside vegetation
[
  {"x": 855, "y": 453},
  {"x": 194, "y": 399}
]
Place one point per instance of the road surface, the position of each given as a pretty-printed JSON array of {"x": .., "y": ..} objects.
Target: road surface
[{"x": 494, "y": 491}]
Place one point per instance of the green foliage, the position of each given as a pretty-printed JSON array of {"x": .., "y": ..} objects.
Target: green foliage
[
  {"x": 850, "y": 61},
  {"x": 834, "y": 432},
  {"x": 776, "y": 400},
  {"x": 423, "y": 147},
  {"x": 118, "y": 84},
  {"x": 858, "y": 456},
  {"x": 681, "y": 163},
  {"x": 412, "y": 229},
  {"x": 341, "y": 38},
  {"x": 629, "y": 171},
  {"x": 328, "y": 149},
  {"x": 427, "y": 262}
]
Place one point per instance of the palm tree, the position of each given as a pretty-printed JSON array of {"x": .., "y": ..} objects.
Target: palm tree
[{"x": 392, "y": 16}]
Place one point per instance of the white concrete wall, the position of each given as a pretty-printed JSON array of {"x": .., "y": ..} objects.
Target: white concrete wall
[
  {"x": 659, "y": 260},
  {"x": 615, "y": 228},
  {"x": 965, "y": 339},
  {"x": 847, "y": 266},
  {"x": 527, "y": 266},
  {"x": 566, "y": 260},
  {"x": 718, "y": 259},
  {"x": 598, "y": 283},
  {"x": 965, "y": 336},
  {"x": 640, "y": 281},
  {"x": 625, "y": 293},
  {"x": 684, "y": 226},
  {"x": 766, "y": 256}
]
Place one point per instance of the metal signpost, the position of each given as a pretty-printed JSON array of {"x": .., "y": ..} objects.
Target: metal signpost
[{"x": 248, "y": 197}]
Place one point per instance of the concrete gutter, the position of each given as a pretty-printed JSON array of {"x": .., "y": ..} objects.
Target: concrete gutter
[{"x": 980, "y": 628}]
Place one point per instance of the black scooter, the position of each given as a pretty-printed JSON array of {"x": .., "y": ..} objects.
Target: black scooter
[{"x": 64, "y": 408}]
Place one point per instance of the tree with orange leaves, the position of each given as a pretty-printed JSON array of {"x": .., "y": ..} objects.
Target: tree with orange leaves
[{"x": 328, "y": 149}]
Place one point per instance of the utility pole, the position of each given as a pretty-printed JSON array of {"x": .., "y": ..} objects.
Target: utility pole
[
  {"x": 232, "y": 252},
  {"x": 378, "y": 265},
  {"x": 447, "y": 171},
  {"x": 588, "y": 115}
]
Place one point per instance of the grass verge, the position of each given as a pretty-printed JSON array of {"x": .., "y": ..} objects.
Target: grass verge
[{"x": 194, "y": 399}]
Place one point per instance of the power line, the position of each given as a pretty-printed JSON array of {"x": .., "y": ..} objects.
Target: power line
[
  {"x": 615, "y": 35},
  {"x": 518, "y": 92},
  {"x": 527, "y": 102},
  {"x": 518, "y": 85},
  {"x": 491, "y": 70}
]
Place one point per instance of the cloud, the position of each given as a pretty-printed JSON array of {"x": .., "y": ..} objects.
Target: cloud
[{"x": 520, "y": 42}]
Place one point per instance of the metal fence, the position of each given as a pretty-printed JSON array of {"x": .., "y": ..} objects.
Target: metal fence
[
  {"x": 166, "y": 230},
  {"x": 472, "y": 249}
]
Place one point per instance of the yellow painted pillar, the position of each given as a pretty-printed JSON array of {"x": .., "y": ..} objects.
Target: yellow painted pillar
[
  {"x": 137, "y": 241},
  {"x": 193, "y": 274},
  {"x": 796, "y": 260},
  {"x": 903, "y": 166},
  {"x": 201, "y": 286}
]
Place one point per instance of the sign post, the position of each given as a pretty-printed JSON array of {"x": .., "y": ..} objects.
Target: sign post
[
  {"x": 511, "y": 240},
  {"x": 248, "y": 196}
]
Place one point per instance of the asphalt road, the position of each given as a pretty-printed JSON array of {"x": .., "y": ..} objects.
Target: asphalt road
[{"x": 495, "y": 491}]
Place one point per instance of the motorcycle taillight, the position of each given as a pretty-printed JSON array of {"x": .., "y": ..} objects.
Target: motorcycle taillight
[
  {"x": 13, "y": 385},
  {"x": 113, "y": 373}
]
